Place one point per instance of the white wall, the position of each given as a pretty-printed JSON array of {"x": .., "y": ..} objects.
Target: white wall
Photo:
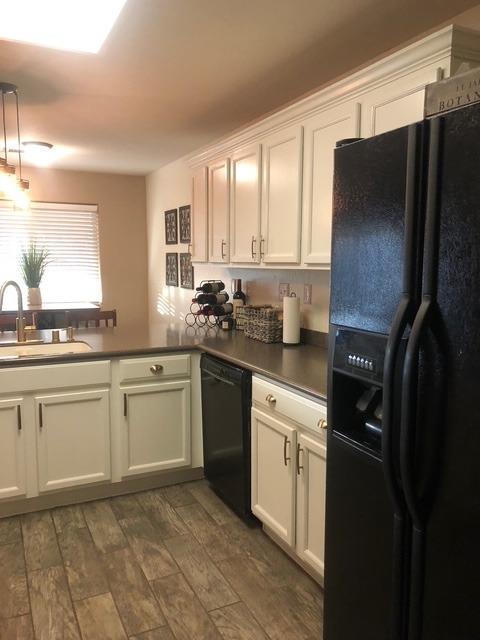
[{"x": 170, "y": 188}]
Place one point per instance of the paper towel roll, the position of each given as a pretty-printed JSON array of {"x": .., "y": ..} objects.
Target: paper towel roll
[{"x": 291, "y": 320}]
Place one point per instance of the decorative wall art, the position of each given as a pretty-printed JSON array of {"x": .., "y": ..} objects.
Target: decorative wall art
[
  {"x": 184, "y": 222},
  {"x": 186, "y": 271},
  {"x": 171, "y": 231},
  {"x": 171, "y": 269}
]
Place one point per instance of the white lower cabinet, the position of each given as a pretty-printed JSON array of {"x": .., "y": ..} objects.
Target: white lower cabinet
[
  {"x": 73, "y": 438},
  {"x": 273, "y": 475},
  {"x": 12, "y": 451},
  {"x": 76, "y": 424},
  {"x": 311, "y": 473},
  {"x": 289, "y": 470},
  {"x": 156, "y": 427}
]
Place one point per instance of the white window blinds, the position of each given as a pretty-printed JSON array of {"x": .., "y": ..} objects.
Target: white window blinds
[{"x": 70, "y": 234}]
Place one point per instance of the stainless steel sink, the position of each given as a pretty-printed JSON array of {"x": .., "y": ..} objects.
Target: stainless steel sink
[{"x": 45, "y": 349}]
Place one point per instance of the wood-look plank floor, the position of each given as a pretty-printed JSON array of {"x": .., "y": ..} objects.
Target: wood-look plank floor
[{"x": 167, "y": 564}]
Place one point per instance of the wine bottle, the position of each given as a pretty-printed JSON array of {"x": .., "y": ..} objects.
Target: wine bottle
[
  {"x": 212, "y": 298},
  {"x": 222, "y": 309},
  {"x": 239, "y": 298},
  {"x": 212, "y": 287}
]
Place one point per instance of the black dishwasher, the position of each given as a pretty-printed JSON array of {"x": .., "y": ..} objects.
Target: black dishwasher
[{"x": 226, "y": 403}]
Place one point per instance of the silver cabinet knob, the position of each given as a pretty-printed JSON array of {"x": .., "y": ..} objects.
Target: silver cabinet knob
[
  {"x": 322, "y": 423},
  {"x": 156, "y": 369},
  {"x": 271, "y": 399}
]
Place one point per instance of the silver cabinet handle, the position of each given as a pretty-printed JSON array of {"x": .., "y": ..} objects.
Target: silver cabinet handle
[
  {"x": 254, "y": 243},
  {"x": 40, "y": 415},
  {"x": 156, "y": 369},
  {"x": 125, "y": 404},
  {"x": 271, "y": 399},
  {"x": 224, "y": 244},
  {"x": 19, "y": 417},
  {"x": 322, "y": 423},
  {"x": 299, "y": 466},
  {"x": 286, "y": 442},
  {"x": 262, "y": 247}
]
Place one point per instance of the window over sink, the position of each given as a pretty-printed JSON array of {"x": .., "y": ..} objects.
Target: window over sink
[{"x": 70, "y": 234}]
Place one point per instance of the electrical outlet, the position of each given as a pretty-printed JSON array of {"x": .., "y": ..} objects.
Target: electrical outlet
[
  {"x": 247, "y": 287},
  {"x": 283, "y": 290},
  {"x": 307, "y": 294}
]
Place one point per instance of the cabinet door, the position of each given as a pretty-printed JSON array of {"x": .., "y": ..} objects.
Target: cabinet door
[
  {"x": 311, "y": 469},
  {"x": 218, "y": 211},
  {"x": 397, "y": 103},
  {"x": 12, "y": 450},
  {"x": 273, "y": 476},
  {"x": 73, "y": 438},
  {"x": 321, "y": 132},
  {"x": 156, "y": 427},
  {"x": 282, "y": 196},
  {"x": 199, "y": 225},
  {"x": 245, "y": 205}
]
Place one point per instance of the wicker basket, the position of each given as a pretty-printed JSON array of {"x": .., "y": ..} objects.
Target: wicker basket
[
  {"x": 240, "y": 317},
  {"x": 263, "y": 323}
]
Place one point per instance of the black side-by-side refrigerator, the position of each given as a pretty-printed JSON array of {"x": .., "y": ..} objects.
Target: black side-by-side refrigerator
[{"x": 402, "y": 555}]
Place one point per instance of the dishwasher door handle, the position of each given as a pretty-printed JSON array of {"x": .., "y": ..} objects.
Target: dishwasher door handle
[{"x": 212, "y": 375}]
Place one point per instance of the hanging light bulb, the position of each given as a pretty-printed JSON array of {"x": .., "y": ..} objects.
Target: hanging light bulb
[
  {"x": 21, "y": 201},
  {"x": 8, "y": 183},
  {"x": 11, "y": 187}
]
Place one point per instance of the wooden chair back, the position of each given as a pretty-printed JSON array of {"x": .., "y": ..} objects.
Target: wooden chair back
[
  {"x": 8, "y": 322},
  {"x": 91, "y": 317}
]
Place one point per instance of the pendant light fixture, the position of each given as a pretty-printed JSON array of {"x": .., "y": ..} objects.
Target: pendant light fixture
[{"x": 12, "y": 187}]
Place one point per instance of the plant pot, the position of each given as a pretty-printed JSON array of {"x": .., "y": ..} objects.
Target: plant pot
[{"x": 34, "y": 297}]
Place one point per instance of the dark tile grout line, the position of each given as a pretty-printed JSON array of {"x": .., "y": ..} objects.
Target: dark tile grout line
[
  {"x": 66, "y": 575},
  {"x": 26, "y": 577},
  {"x": 117, "y": 520}
]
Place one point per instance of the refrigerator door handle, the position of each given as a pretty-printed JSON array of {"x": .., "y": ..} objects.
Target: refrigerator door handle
[
  {"x": 401, "y": 318},
  {"x": 410, "y": 385},
  {"x": 399, "y": 324}
]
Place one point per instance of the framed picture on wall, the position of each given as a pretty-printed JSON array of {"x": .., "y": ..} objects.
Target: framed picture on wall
[
  {"x": 186, "y": 271},
  {"x": 171, "y": 269},
  {"x": 185, "y": 224},
  {"x": 171, "y": 231}
]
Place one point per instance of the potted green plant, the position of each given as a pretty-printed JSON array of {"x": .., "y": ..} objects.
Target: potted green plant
[{"x": 33, "y": 262}]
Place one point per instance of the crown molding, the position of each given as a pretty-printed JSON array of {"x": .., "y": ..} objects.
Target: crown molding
[{"x": 440, "y": 47}]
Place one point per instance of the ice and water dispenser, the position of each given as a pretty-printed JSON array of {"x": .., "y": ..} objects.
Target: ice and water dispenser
[{"x": 357, "y": 379}]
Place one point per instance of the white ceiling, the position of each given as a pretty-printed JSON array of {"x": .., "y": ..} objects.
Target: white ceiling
[{"x": 176, "y": 74}]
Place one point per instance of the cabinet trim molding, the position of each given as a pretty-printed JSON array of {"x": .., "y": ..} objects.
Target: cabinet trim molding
[{"x": 451, "y": 41}]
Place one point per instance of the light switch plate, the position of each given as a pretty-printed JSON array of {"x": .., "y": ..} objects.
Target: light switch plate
[
  {"x": 307, "y": 294},
  {"x": 283, "y": 290}
]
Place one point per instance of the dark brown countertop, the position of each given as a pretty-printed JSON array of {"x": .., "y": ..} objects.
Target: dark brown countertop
[{"x": 303, "y": 367}]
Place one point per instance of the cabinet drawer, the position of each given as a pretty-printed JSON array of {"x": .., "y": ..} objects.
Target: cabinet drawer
[
  {"x": 54, "y": 376},
  {"x": 276, "y": 400},
  {"x": 155, "y": 368}
]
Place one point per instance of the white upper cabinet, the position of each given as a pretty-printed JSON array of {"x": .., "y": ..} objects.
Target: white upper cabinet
[
  {"x": 199, "y": 226},
  {"x": 12, "y": 452},
  {"x": 245, "y": 183},
  {"x": 295, "y": 211},
  {"x": 397, "y": 103},
  {"x": 321, "y": 132},
  {"x": 282, "y": 196},
  {"x": 218, "y": 211}
]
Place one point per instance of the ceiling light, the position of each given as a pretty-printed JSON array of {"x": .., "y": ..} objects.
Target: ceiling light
[
  {"x": 70, "y": 25},
  {"x": 37, "y": 153}
]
